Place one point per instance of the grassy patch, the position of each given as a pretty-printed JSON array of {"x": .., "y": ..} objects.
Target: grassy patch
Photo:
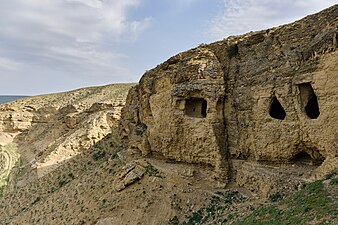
[
  {"x": 334, "y": 181},
  {"x": 214, "y": 211},
  {"x": 275, "y": 197},
  {"x": 305, "y": 206}
]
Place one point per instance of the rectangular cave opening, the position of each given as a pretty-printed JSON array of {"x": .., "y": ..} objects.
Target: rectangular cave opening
[
  {"x": 309, "y": 100},
  {"x": 196, "y": 107}
]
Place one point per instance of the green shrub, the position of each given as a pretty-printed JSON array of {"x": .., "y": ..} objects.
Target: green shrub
[{"x": 153, "y": 172}]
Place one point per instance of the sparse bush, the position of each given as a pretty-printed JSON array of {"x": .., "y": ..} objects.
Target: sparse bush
[
  {"x": 196, "y": 218},
  {"x": 153, "y": 172},
  {"x": 174, "y": 221},
  {"x": 63, "y": 182},
  {"x": 219, "y": 203},
  {"x": 334, "y": 181},
  {"x": 99, "y": 155},
  {"x": 36, "y": 200},
  {"x": 275, "y": 197}
]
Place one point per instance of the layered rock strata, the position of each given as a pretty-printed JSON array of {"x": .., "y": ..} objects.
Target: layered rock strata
[{"x": 44, "y": 132}]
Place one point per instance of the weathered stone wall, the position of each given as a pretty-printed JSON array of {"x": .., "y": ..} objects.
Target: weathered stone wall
[
  {"x": 164, "y": 113},
  {"x": 238, "y": 78},
  {"x": 273, "y": 63}
]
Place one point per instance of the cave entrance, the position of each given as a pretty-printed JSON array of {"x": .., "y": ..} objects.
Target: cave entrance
[
  {"x": 276, "y": 109},
  {"x": 309, "y": 100},
  {"x": 304, "y": 158},
  {"x": 196, "y": 107}
]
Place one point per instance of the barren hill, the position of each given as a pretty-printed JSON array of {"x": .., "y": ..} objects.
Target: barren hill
[{"x": 45, "y": 131}]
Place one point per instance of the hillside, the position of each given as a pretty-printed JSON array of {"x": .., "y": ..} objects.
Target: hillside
[
  {"x": 45, "y": 131},
  {"x": 240, "y": 131}
]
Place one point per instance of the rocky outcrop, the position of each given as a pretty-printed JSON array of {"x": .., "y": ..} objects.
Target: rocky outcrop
[
  {"x": 267, "y": 96},
  {"x": 176, "y": 110},
  {"x": 128, "y": 175}
]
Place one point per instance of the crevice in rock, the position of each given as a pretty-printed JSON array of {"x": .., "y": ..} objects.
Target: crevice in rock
[
  {"x": 232, "y": 50},
  {"x": 309, "y": 100},
  {"x": 220, "y": 108},
  {"x": 276, "y": 109}
]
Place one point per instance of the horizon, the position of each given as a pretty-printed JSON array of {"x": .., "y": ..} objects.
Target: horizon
[{"x": 108, "y": 42}]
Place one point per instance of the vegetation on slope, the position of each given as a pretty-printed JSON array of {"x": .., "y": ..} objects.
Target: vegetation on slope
[{"x": 316, "y": 203}]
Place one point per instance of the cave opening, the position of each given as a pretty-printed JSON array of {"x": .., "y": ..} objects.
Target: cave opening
[
  {"x": 309, "y": 100},
  {"x": 303, "y": 158},
  {"x": 276, "y": 109},
  {"x": 196, "y": 107},
  {"x": 312, "y": 108},
  {"x": 306, "y": 159}
]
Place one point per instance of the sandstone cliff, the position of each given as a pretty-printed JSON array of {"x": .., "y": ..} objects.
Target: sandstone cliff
[{"x": 267, "y": 96}]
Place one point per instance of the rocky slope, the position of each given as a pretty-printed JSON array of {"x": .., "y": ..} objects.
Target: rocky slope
[{"x": 46, "y": 131}]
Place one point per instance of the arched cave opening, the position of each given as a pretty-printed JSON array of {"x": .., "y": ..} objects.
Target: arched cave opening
[
  {"x": 312, "y": 108},
  {"x": 276, "y": 109},
  {"x": 309, "y": 100},
  {"x": 196, "y": 107},
  {"x": 305, "y": 159}
]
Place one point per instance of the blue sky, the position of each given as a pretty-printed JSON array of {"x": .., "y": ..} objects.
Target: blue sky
[{"x": 57, "y": 45}]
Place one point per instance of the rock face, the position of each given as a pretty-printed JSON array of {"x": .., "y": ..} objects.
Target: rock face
[{"x": 264, "y": 96}]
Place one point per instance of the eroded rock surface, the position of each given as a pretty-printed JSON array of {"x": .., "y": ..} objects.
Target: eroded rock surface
[
  {"x": 264, "y": 96},
  {"x": 49, "y": 130},
  {"x": 128, "y": 175}
]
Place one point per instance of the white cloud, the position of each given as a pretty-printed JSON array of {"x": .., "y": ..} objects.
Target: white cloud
[
  {"x": 241, "y": 16},
  {"x": 8, "y": 64},
  {"x": 66, "y": 33}
]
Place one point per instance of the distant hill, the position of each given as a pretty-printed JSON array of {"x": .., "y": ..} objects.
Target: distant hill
[{"x": 9, "y": 98}]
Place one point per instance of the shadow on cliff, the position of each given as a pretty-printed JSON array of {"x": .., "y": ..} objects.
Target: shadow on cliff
[{"x": 60, "y": 173}]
